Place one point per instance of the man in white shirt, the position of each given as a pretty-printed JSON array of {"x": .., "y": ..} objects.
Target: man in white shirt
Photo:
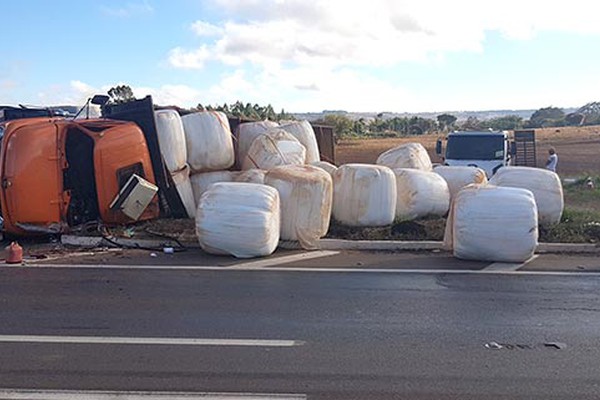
[{"x": 552, "y": 160}]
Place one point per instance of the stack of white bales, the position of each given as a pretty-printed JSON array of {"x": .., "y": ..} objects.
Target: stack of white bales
[
  {"x": 209, "y": 149},
  {"x": 544, "y": 184},
  {"x": 457, "y": 177},
  {"x": 364, "y": 195},
  {"x": 306, "y": 199},
  {"x": 273, "y": 148},
  {"x": 492, "y": 223},
  {"x": 240, "y": 219},
  {"x": 171, "y": 139}
]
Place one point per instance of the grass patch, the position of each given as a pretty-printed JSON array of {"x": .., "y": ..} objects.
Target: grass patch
[{"x": 576, "y": 226}]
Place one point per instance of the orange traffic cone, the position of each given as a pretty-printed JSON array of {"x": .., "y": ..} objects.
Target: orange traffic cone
[{"x": 14, "y": 254}]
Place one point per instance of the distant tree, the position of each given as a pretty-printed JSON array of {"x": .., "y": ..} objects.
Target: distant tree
[
  {"x": 471, "y": 124},
  {"x": 591, "y": 112},
  {"x": 575, "y": 119},
  {"x": 342, "y": 125},
  {"x": 508, "y": 122},
  {"x": 120, "y": 94},
  {"x": 546, "y": 117},
  {"x": 446, "y": 121}
]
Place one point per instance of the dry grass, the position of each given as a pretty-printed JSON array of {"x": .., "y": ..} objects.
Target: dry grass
[{"x": 578, "y": 149}]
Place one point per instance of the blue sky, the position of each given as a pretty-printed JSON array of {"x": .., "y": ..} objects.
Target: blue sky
[{"x": 301, "y": 55}]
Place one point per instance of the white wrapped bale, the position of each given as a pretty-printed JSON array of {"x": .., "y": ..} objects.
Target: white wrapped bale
[
  {"x": 490, "y": 223},
  {"x": 409, "y": 155},
  {"x": 202, "y": 181},
  {"x": 305, "y": 193},
  {"x": 364, "y": 195},
  {"x": 241, "y": 219},
  {"x": 303, "y": 131},
  {"x": 274, "y": 148},
  {"x": 328, "y": 167},
  {"x": 544, "y": 184},
  {"x": 459, "y": 177},
  {"x": 420, "y": 194},
  {"x": 246, "y": 133},
  {"x": 182, "y": 182},
  {"x": 208, "y": 140},
  {"x": 171, "y": 139},
  {"x": 251, "y": 176}
]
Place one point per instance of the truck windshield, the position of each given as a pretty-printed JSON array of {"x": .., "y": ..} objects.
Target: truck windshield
[{"x": 475, "y": 147}]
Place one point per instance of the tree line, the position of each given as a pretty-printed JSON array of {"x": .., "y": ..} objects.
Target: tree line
[{"x": 345, "y": 126}]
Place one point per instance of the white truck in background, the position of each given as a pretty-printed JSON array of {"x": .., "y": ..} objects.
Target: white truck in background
[{"x": 487, "y": 150}]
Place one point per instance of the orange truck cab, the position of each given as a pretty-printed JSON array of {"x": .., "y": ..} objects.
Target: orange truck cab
[{"x": 57, "y": 173}]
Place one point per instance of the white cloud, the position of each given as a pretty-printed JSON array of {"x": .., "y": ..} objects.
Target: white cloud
[
  {"x": 129, "y": 10},
  {"x": 374, "y": 33},
  {"x": 202, "y": 28}
]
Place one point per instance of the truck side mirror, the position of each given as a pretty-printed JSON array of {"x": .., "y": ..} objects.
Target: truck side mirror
[
  {"x": 513, "y": 148},
  {"x": 100, "y": 99},
  {"x": 438, "y": 147}
]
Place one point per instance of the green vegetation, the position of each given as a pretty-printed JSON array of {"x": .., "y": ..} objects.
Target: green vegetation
[
  {"x": 120, "y": 94},
  {"x": 247, "y": 111}
]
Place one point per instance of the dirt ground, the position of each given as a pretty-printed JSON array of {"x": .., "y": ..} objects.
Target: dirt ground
[{"x": 578, "y": 149}]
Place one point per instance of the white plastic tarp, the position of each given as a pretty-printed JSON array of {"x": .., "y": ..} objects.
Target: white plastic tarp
[
  {"x": 202, "y": 181},
  {"x": 409, "y": 155},
  {"x": 274, "y": 148},
  {"x": 544, "y": 184},
  {"x": 241, "y": 219},
  {"x": 209, "y": 142},
  {"x": 306, "y": 195},
  {"x": 184, "y": 189},
  {"x": 303, "y": 131},
  {"x": 420, "y": 194},
  {"x": 364, "y": 195},
  {"x": 327, "y": 166},
  {"x": 489, "y": 223},
  {"x": 458, "y": 177},
  {"x": 246, "y": 133},
  {"x": 251, "y": 176},
  {"x": 171, "y": 139}
]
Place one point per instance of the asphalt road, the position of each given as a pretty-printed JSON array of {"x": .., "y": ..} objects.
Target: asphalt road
[{"x": 322, "y": 334}]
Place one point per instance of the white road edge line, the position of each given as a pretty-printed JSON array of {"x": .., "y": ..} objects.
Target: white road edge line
[
  {"x": 501, "y": 266},
  {"x": 34, "y": 394},
  {"x": 269, "y": 262},
  {"x": 216, "y": 268},
  {"x": 148, "y": 341}
]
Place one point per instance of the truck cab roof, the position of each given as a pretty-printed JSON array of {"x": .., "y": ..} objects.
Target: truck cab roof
[{"x": 477, "y": 133}]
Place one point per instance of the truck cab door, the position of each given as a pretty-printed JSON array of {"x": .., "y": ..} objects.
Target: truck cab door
[{"x": 31, "y": 184}]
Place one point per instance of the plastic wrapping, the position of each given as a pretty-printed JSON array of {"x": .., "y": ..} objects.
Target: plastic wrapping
[
  {"x": 303, "y": 131},
  {"x": 364, "y": 195},
  {"x": 544, "y": 184},
  {"x": 246, "y": 133},
  {"x": 327, "y": 166},
  {"x": 306, "y": 195},
  {"x": 184, "y": 189},
  {"x": 251, "y": 176},
  {"x": 490, "y": 223},
  {"x": 202, "y": 180},
  {"x": 208, "y": 140},
  {"x": 274, "y": 148},
  {"x": 409, "y": 155},
  {"x": 171, "y": 139},
  {"x": 420, "y": 193},
  {"x": 459, "y": 177},
  {"x": 241, "y": 219}
]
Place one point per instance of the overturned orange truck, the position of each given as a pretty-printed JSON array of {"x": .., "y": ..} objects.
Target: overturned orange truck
[{"x": 57, "y": 173}]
